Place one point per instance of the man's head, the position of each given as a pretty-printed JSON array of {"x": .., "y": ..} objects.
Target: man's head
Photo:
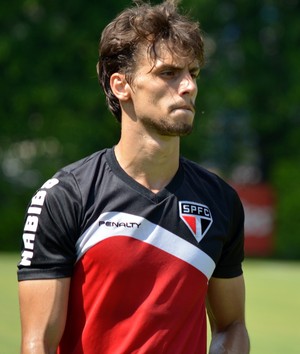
[{"x": 145, "y": 26}]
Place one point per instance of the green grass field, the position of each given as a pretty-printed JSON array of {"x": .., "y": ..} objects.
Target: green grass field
[{"x": 273, "y": 306}]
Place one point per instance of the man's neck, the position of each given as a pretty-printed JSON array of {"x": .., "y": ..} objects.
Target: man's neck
[{"x": 151, "y": 162}]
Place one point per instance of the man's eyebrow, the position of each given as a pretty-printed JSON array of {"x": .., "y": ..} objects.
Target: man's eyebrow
[
  {"x": 169, "y": 66},
  {"x": 195, "y": 68},
  {"x": 160, "y": 66}
]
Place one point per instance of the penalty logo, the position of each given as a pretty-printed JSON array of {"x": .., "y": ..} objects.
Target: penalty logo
[{"x": 197, "y": 218}]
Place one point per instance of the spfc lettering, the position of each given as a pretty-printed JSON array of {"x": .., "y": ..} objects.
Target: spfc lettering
[{"x": 197, "y": 218}]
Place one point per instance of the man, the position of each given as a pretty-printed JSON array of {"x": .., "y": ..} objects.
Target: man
[{"x": 124, "y": 249}]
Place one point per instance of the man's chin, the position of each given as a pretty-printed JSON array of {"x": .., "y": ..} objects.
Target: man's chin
[
  {"x": 165, "y": 128},
  {"x": 182, "y": 130}
]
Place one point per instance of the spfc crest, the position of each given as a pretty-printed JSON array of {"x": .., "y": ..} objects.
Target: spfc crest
[{"x": 197, "y": 218}]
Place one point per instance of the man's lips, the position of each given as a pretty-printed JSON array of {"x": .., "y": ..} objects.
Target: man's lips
[{"x": 188, "y": 107}]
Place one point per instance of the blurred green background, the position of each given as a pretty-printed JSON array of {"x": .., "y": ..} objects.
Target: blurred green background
[{"x": 248, "y": 112}]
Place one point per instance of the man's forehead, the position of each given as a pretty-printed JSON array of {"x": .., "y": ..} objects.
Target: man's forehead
[
  {"x": 165, "y": 56},
  {"x": 176, "y": 62}
]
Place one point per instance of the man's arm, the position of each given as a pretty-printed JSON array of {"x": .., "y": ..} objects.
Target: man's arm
[
  {"x": 226, "y": 312},
  {"x": 43, "y": 310}
]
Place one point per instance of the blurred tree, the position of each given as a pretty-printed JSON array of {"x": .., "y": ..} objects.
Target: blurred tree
[
  {"x": 53, "y": 112},
  {"x": 250, "y": 81}
]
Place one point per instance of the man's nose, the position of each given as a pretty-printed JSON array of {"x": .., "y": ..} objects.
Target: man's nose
[{"x": 188, "y": 85}]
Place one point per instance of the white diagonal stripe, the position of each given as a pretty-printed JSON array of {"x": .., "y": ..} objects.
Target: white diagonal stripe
[{"x": 148, "y": 232}]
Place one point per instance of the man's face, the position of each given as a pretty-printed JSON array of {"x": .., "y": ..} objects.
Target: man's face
[{"x": 164, "y": 94}]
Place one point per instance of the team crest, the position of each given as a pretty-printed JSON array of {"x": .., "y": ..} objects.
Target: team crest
[{"x": 197, "y": 218}]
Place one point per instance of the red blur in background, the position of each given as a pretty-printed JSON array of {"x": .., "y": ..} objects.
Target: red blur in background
[{"x": 259, "y": 205}]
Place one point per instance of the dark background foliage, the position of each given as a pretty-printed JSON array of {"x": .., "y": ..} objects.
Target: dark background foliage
[{"x": 248, "y": 113}]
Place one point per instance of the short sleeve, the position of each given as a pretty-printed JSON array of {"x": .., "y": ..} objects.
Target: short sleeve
[
  {"x": 51, "y": 228},
  {"x": 230, "y": 262}
]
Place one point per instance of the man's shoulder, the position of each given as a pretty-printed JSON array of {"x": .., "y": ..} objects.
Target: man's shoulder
[
  {"x": 208, "y": 177},
  {"x": 78, "y": 177},
  {"x": 85, "y": 163},
  {"x": 192, "y": 167}
]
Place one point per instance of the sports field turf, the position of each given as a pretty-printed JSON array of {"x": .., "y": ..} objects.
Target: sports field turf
[{"x": 273, "y": 306}]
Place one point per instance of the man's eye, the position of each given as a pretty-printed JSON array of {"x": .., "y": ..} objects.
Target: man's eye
[
  {"x": 195, "y": 75},
  {"x": 168, "y": 73}
]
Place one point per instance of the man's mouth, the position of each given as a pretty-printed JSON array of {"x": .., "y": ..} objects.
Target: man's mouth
[{"x": 188, "y": 107}]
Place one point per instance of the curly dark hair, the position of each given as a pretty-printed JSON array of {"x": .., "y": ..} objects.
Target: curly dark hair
[{"x": 147, "y": 25}]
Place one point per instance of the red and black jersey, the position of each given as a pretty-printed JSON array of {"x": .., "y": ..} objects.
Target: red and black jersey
[{"x": 140, "y": 261}]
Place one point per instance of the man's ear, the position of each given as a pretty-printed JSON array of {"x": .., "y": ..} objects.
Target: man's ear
[{"x": 120, "y": 86}]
